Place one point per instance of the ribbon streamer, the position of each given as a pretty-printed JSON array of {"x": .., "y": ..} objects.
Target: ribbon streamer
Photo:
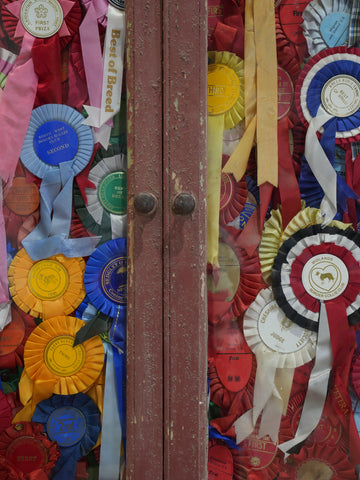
[
  {"x": 112, "y": 72},
  {"x": 5, "y": 310},
  {"x": 317, "y": 387}
]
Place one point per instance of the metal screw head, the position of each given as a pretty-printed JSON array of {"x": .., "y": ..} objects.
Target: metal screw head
[
  {"x": 184, "y": 204},
  {"x": 145, "y": 203}
]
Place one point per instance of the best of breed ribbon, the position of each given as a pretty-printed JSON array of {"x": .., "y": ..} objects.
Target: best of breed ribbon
[
  {"x": 56, "y": 148},
  {"x": 104, "y": 71}
]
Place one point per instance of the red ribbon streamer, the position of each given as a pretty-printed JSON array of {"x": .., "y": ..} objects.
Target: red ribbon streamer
[
  {"x": 288, "y": 185},
  {"x": 47, "y": 65}
]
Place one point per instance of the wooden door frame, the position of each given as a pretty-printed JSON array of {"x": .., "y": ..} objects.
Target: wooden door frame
[{"x": 167, "y": 322}]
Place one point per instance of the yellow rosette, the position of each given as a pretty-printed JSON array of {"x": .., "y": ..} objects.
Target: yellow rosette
[
  {"x": 225, "y": 110},
  {"x": 53, "y": 366},
  {"x": 49, "y": 287},
  {"x": 274, "y": 235}
]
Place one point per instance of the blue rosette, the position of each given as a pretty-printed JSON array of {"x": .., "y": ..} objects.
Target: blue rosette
[
  {"x": 56, "y": 134},
  {"x": 105, "y": 278},
  {"x": 317, "y": 85},
  {"x": 73, "y": 422}
]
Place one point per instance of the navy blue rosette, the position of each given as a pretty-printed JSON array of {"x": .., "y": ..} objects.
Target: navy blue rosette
[
  {"x": 73, "y": 422},
  {"x": 105, "y": 278}
]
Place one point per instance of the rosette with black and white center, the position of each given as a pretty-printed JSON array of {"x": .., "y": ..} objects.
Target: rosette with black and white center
[{"x": 318, "y": 264}]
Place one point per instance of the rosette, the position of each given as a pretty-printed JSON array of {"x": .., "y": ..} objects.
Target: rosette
[
  {"x": 316, "y": 282},
  {"x": 298, "y": 278},
  {"x": 26, "y": 449},
  {"x": 47, "y": 287},
  {"x": 223, "y": 459},
  {"x": 260, "y": 456},
  {"x": 323, "y": 82},
  {"x": 291, "y": 19},
  {"x": 239, "y": 273},
  {"x": 37, "y": 69},
  {"x": 105, "y": 278},
  {"x": 21, "y": 201},
  {"x": 321, "y": 461},
  {"x": 326, "y": 24},
  {"x": 280, "y": 346},
  {"x": 13, "y": 338},
  {"x": 5, "y": 412},
  {"x": 56, "y": 148},
  {"x": 105, "y": 212},
  {"x": 231, "y": 365},
  {"x": 225, "y": 110},
  {"x": 73, "y": 422},
  {"x": 53, "y": 365},
  {"x": 274, "y": 235}
]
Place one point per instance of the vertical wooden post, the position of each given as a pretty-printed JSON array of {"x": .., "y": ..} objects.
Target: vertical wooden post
[
  {"x": 145, "y": 243},
  {"x": 167, "y": 335}
]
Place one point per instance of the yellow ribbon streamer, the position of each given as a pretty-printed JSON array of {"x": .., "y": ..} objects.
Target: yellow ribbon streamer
[{"x": 260, "y": 94}]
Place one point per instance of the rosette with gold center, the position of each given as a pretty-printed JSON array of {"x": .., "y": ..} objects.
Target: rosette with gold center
[
  {"x": 53, "y": 365},
  {"x": 47, "y": 287},
  {"x": 225, "y": 110}
]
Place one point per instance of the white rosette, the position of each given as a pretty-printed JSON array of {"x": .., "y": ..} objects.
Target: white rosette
[
  {"x": 326, "y": 24},
  {"x": 280, "y": 346}
]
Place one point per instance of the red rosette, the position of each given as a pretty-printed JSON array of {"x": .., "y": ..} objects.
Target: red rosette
[
  {"x": 251, "y": 281},
  {"x": 224, "y": 463},
  {"x": 291, "y": 20},
  {"x": 260, "y": 457},
  {"x": 329, "y": 430},
  {"x": 231, "y": 367},
  {"x": 232, "y": 197},
  {"x": 287, "y": 54},
  {"x": 21, "y": 201},
  {"x": 13, "y": 338},
  {"x": 72, "y": 21},
  {"x": 319, "y": 461},
  {"x": 7, "y": 471},
  {"x": 5, "y": 412},
  {"x": 27, "y": 449},
  {"x": 355, "y": 373}
]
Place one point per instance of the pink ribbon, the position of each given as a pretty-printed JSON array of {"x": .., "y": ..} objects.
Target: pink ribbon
[
  {"x": 14, "y": 114},
  {"x": 91, "y": 50}
]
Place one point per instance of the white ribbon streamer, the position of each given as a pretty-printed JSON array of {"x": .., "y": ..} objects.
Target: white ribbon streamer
[
  {"x": 317, "y": 387},
  {"x": 113, "y": 56},
  {"x": 321, "y": 166}
]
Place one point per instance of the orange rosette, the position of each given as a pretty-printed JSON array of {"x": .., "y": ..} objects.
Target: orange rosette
[
  {"x": 49, "y": 287},
  {"x": 54, "y": 366}
]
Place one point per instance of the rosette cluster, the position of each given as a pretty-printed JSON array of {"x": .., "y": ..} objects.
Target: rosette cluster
[
  {"x": 297, "y": 415},
  {"x": 63, "y": 193}
]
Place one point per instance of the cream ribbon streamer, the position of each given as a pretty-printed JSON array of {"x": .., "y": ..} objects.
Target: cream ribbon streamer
[
  {"x": 321, "y": 166},
  {"x": 317, "y": 387},
  {"x": 260, "y": 94},
  {"x": 113, "y": 56}
]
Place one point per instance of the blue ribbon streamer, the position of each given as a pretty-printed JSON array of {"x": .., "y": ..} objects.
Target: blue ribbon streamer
[{"x": 213, "y": 433}]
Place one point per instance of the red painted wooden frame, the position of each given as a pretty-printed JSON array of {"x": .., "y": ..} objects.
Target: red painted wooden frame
[{"x": 167, "y": 335}]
